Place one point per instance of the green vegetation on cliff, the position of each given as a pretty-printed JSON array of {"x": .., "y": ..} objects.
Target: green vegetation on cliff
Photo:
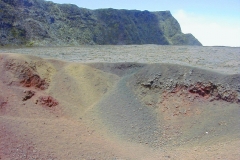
[{"x": 39, "y": 22}]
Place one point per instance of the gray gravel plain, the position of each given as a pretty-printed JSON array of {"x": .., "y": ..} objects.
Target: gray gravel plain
[{"x": 221, "y": 59}]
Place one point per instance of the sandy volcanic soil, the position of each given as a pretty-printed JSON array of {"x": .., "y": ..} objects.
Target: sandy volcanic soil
[{"x": 120, "y": 102}]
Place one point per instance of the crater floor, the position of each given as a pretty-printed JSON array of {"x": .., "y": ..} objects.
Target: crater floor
[{"x": 120, "y": 102}]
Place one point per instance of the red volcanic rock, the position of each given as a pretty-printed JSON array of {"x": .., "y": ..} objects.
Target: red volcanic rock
[
  {"x": 24, "y": 74},
  {"x": 34, "y": 80},
  {"x": 47, "y": 101},
  {"x": 216, "y": 92},
  {"x": 203, "y": 89}
]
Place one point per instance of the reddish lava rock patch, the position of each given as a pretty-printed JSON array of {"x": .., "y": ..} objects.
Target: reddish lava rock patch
[
  {"x": 24, "y": 74},
  {"x": 34, "y": 80},
  {"x": 47, "y": 101}
]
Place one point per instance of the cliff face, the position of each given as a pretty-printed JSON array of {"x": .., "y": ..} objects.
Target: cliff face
[{"x": 39, "y": 22}]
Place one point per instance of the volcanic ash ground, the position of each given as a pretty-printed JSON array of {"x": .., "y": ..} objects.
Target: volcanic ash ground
[{"x": 54, "y": 109}]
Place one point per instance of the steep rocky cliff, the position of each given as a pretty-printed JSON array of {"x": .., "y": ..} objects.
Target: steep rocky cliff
[{"x": 42, "y": 23}]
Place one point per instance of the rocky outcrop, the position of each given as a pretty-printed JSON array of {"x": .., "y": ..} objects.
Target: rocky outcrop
[
  {"x": 41, "y": 23},
  {"x": 189, "y": 81},
  {"x": 21, "y": 73}
]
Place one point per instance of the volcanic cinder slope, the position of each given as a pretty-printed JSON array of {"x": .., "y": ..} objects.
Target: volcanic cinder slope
[{"x": 53, "y": 109}]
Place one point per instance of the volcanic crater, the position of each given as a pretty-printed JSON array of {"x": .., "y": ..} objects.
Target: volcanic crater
[{"x": 56, "y": 109}]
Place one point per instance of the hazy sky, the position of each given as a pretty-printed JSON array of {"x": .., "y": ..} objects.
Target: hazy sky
[{"x": 212, "y": 22}]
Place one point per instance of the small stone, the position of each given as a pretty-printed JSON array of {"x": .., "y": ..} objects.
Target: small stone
[{"x": 28, "y": 95}]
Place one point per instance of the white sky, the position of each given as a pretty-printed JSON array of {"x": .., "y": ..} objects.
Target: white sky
[{"x": 210, "y": 31}]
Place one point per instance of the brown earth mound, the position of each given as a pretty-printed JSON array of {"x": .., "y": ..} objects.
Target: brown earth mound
[{"x": 52, "y": 109}]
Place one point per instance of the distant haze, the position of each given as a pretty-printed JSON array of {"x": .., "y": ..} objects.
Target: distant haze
[
  {"x": 209, "y": 30},
  {"x": 213, "y": 23}
]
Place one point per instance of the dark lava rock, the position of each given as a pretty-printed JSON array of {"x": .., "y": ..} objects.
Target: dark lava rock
[{"x": 47, "y": 101}]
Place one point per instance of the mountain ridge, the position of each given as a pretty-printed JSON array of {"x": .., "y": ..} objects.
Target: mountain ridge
[{"x": 44, "y": 23}]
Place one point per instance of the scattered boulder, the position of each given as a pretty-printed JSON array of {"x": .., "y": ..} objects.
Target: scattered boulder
[
  {"x": 47, "y": 101},
  {"x": 28, "y": 95},
  {"x": 3, "y": 102}
]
